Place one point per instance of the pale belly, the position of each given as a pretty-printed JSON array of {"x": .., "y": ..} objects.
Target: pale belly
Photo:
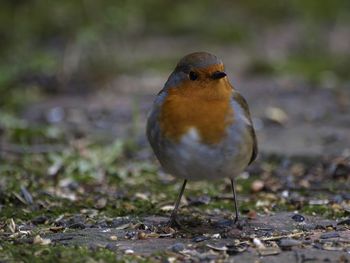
[{"x": 191, "y": 159}]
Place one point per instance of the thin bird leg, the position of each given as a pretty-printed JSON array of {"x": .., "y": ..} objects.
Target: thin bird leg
[
  {"x": 174, "y": 213},
  {"x": 235, "y": 200}
]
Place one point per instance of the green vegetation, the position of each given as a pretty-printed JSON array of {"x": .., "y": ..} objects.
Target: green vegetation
[{"x": 49, "y": 46}]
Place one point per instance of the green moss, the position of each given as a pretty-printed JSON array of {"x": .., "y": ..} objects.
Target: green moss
[{"x": 323, "y": 211}]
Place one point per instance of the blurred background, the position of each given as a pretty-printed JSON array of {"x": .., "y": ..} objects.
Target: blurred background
[
  {"x": 77, "y": 79},
  {"x": 89, "y": 70}
]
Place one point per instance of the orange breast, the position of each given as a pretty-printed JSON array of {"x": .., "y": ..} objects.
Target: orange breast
[{"x": 205, "y": 108}]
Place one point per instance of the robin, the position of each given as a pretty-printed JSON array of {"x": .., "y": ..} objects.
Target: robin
[{"x": 200, "y": 126}]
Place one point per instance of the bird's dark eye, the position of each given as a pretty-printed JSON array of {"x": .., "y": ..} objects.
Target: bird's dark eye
[{"x": 193, "y": 75}]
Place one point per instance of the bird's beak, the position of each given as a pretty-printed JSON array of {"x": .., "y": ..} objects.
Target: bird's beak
[{"x": 218, "y": 75}]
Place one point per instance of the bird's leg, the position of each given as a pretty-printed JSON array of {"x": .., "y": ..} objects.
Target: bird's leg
[
  {"x": 173, "y": 220},
  {"x": 235, "y": 201}
]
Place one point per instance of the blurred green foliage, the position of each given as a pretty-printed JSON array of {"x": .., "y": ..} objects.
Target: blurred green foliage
[{"x": 35, "y": 35}]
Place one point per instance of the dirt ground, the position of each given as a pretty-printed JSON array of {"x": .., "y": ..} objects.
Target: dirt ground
[{"x": 293, "y": 123}]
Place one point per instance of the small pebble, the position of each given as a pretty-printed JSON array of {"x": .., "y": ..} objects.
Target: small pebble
[
  {"x": 113, "y": 238},
  {"x": 39, "y": 220},
  {"x": 217, "y": 248},
  {"x": 199, "y": 239},
  {"x": 201, "y": 200},
  {"x": 77, "y": 226},
  {"x": 223, "y": 223},
  {"x": 129, "y": 252},
  {"x": 235, "y": 249},
  {"x": 93, "y": 246},
  {"x": 41, "y": 241},
  {"x": 287, "y": 243},
  {"x": 101, "y": 203},
  {"x": 257, "y": 186},
  {"x": 177, "y": 247},
  {"x": 329, "y": 235},
  {"x": 338, "y": 199},
  {"x": 143, "y": 227},
  {"x": 217, "y": 236},
  {"x": 346, "y": 196},
  {"x": 252, "y": 214},
  {"x": 141, "y": 235},
  {"x": 110, "y": 246},
  {"x": 276, "y": 115},
  {"x": 130, "y": 234},
  {"x": 257, "y": 242},
  {"x": 298, "y": 218},
  {"x": 121, "y": 221},
  {"x": 344, "y": 222}
]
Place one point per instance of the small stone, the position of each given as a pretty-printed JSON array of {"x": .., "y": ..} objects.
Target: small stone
[
  {"x": 329, "y": 235},
  {"x": 257, "y": 242},
  {"x": 217, "y": 248},
  {"x": 288, "y": 243},
  {"x": 110, "y": 246},
  {"x": 101, "y": 203},
  {"x": 285, "y": 194},
  {"x": 120, "y": 221},
  {"x": 276, "y": 115},
  {"x": 39, "y": 220},
  {"x": 199, "y": 239},
  {"x": 93, "y": 246},
  {"x": 257, "y": 186},
  {"x": 38, "y": 240},
  {"x": 346, "y": 196},
  {"x": 77, "y": 226},
  {"x": 167, "y": 208},
  {"x": 251, "y": 214},
  {"x": 344, "y": 222},
  {"x": 121, "y": 227},
  {"x": 130, "y": 235},
  {"x": 142, "y": 196},
  {"x": 56, "y": 229},
  {"x": 55, "y": 115},
  {"x": 177, "y": 247},
  {"x": 298, "y": 218},
  {"x": 142, "y": 227},
  {"x": 201, "y": 200},
  {"x": 141, "y": 235},
  {"x": 129, "y": 252},
  {"x": 338, "y": 199},
  {"x": 223, "y": 223},
  {"x": 113, "y": 237},
  {"x": 235, "y": 249},
  {"x": 216, "y": 236},
  {"x": 318, "y": 202}
]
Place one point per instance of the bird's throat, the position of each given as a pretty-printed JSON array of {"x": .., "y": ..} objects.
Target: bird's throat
[{"x": 206, "y": 110}]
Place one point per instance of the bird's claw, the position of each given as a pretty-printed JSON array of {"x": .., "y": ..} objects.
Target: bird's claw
[{"x": 174, "y": 222}]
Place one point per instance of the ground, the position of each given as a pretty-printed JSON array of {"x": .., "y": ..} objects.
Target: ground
[
  {"x": 78, "y": 180},
  {"x": 294, "y": 201}
]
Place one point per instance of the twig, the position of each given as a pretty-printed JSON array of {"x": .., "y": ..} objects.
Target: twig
[{"x": 282, "y": 236}]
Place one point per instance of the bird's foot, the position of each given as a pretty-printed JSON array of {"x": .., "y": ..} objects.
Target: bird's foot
[
  {"x": 174, "y": 222},
  {"x": 239, "y": 223}
]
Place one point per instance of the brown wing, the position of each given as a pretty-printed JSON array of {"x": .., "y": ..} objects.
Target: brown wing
[{"x": 243, "y": 103}]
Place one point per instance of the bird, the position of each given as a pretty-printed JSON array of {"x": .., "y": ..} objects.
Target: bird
[{"x": 200, "y": 127}]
